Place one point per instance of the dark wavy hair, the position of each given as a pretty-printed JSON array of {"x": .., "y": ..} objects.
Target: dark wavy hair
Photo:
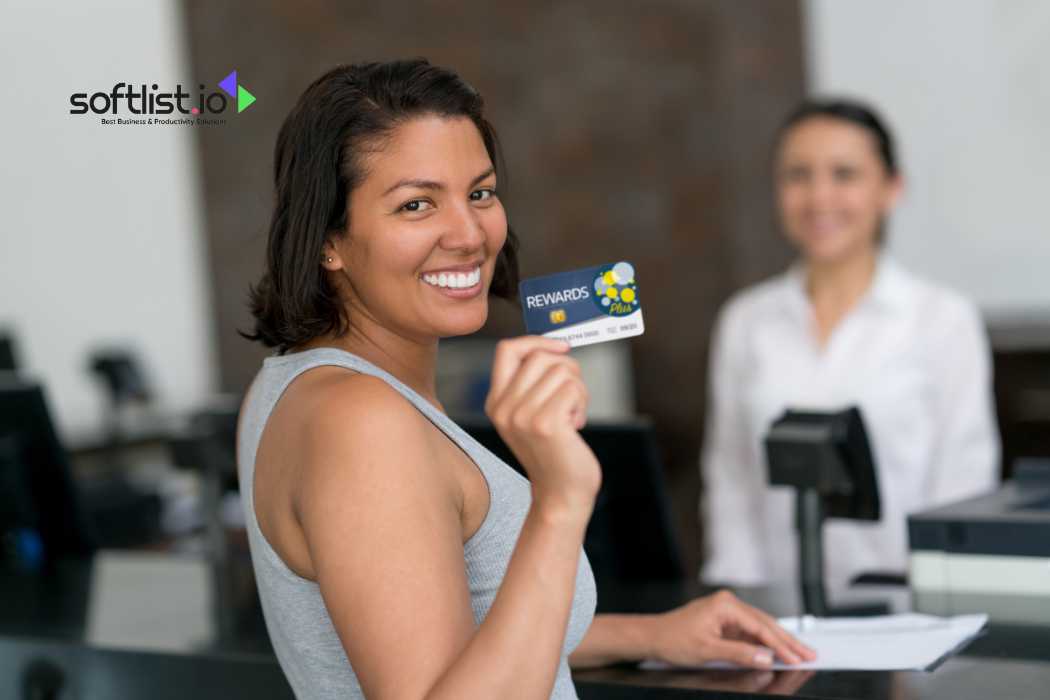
[
  {"x": 852, "y": 111},
  {"x": 318, "y": 161}
]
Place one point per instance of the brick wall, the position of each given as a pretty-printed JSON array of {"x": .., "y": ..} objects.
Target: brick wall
[{"x": 636, "y": 131}]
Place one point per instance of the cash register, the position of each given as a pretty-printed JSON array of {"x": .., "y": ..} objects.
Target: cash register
[{"x": 988, "y": 553}]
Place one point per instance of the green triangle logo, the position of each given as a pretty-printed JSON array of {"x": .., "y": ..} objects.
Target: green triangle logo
[{"x": 245, "y": 99}]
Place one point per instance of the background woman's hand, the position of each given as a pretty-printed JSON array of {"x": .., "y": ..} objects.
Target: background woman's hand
[
  {"x": 720, "y": 627},
  {"x": 538, "y": 403}
]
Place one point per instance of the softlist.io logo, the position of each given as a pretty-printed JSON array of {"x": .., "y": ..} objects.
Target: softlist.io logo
[{"x": 145, "y": 102}]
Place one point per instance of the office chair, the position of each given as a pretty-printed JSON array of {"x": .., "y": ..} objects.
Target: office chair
[{"x": 8, "y": 353}]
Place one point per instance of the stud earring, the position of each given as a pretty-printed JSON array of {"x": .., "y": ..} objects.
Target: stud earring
[{"x": 328, "y": 259}]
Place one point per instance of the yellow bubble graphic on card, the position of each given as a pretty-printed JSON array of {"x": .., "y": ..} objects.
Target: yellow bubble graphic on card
[
  {"x": 616, "y": 293},
  {"x": 558, "y": 316}
]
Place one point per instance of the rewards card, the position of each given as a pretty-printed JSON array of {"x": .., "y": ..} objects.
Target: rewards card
[{"x": 584, "y": 306}]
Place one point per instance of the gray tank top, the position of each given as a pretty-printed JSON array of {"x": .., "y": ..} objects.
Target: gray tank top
[{"x": 302, "y": 633}]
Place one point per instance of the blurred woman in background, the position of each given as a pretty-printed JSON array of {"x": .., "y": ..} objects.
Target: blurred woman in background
[{"x": 845, "y": 325}]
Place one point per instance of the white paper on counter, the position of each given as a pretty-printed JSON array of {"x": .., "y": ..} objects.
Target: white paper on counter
[{"x": 909, "y": 641}]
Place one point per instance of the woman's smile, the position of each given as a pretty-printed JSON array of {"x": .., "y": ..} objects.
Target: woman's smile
[{"x": 456, "y": 281}]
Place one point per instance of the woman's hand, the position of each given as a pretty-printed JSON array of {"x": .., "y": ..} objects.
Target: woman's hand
[
  {"x": 538, "y": 403},
  {"x": 720, "y": 627}
]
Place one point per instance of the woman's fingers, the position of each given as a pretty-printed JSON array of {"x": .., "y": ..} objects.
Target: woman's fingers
[
  {"x": 564, "y": 395},
  {"x": 740, "y": 653},
  {"x": 804, "y": 652},
  {"x": 512, "y": 352},
  {"x": 529, "y": 369},
  {"x": 764, "y": 629},
  {"x": 557, "y": 378},
  {"x": 533, "y": 369}
]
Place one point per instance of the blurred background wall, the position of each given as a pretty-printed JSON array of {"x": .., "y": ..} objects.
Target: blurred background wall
[
  {"x": 103, "y": 239},
  {"x": 963, "y": 83},
  {"x": 632, "y": 131}
]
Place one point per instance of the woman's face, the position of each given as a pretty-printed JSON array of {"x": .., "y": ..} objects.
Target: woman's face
[
  {"x": 833, "y": 189},
  {"x": 425, "y": 227}
]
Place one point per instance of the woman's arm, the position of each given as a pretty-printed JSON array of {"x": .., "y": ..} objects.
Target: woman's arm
[
  {"x": 384, "y": 534},
  {"x": 717, "y": 627},
  {"x": 966, "y": 457},
  {"x": 613, "y": 639},
  {"x": 731, "y": 506}
]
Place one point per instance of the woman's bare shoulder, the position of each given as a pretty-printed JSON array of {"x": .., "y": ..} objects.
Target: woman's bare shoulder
[
  {"x": 334, "y": 406},
  {"x": 338, "y": 439},
  {"x": 356, "y": 428}
]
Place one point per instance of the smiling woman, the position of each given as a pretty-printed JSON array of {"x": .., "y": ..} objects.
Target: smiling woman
[{"x": 395, "y": 556}]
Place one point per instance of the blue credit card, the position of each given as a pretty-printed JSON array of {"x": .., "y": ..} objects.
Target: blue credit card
[{"x": 585, "y": 306}]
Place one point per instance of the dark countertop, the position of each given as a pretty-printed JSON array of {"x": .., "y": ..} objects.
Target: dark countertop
[{"x": 45, "y": 636}]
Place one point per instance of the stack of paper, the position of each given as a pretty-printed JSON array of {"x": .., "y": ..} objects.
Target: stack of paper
[{"x": 885, "y": 643}]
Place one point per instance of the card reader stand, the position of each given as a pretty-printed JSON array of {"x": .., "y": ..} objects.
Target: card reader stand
[{"x": 827, "y": 459}]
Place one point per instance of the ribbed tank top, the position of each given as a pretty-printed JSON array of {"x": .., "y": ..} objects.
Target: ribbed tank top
[{"x": 303, "y": 637}]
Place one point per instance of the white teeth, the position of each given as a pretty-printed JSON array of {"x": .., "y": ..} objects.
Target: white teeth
[{"x": 454, "y": 280}]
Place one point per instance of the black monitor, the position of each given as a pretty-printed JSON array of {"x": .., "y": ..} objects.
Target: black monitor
[
  {"x": 630, "y": 536},
  {"x": 829, "y": 453},
  {"x": 827, "y": 459},
  {"x": 39, "y": 493}
]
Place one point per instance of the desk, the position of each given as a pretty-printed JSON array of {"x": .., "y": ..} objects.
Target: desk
[
  {"x": 1007, "y": 661},
  {"x": 44, "y": 627}
]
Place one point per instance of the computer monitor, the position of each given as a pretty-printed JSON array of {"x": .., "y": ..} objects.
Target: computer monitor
[
  {"x": 829, "y": 453},
  {"x": 826, "y": 458},
  {"x": 630, "y": 536},
  {"x": 37, "y": 467}
]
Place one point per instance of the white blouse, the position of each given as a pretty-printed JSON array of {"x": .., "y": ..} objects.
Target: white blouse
[{"x": 912, "y": 355}]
